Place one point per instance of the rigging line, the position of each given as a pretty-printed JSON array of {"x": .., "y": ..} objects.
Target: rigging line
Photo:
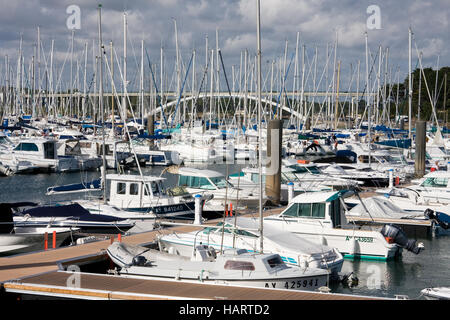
[
  {"x": 156, "y": 88},
  {"x": 181, "y": 91},
  {"x": 284, "y": 86}
]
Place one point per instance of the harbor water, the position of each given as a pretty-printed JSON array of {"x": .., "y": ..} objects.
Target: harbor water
[{"x": 407, "y": 275}]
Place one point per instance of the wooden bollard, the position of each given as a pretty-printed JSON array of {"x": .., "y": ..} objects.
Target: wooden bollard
[
  {"x": 226, "y": 210},
  {"x": 54, "y": 240},
  {"x": 46, "y": 241},
  {"x": 111, "y": 238}
]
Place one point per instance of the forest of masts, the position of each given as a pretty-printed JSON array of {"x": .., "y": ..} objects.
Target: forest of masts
[{"x": 311, "y": 93}]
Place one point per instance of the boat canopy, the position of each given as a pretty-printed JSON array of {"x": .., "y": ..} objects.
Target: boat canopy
[
  {"x": 74, "y": 211},
  {"x": 380, "y": 207},
  {"x": 316, "y": 197},
  {"x": 76, "y": 187}
]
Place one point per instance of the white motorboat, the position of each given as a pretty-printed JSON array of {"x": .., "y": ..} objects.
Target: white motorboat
[
  {"x": 431, "y": 190},
  {"x": 233, "y": 267},
  {"x": 242, "y": 233},
  {"x": 71, "y": 215},
  {"x": 319, "y": 217},
  {"x": 209, "y": 182},
  {"x": 39, "y": 152},
  {"x": 310, "y": 172},
  {"x": 248, "y": 178},
  {"x": 15, "y": 240},
  {"x": 143, "y": 198},
  {"x": 438, "y": 293},
  {"x": 148, "y": 154}
]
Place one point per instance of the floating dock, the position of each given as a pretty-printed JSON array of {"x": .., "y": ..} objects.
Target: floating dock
[{"x": 45, "y": 273}]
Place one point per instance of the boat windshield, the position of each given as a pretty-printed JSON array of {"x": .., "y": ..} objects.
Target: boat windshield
[
  {"x": 288, "y": 177},
  {"x": 435, "y": 182},
  {"x": 6, "y": 141},
  {"x": 219, "y": 182}
]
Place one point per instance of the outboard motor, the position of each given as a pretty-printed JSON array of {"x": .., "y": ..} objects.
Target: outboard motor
[
  {"x": 139, "y": 261},
  {"x": 441, "y": 218},
  {"x": 396, "y": 235}
]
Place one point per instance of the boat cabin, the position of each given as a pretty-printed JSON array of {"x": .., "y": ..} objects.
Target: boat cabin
[
  {"x": 37, "y": 148},
  {"x": 132, "y": 189},
  {"x": 323, "y": 208},
  {"x": 201, "y": 179}
]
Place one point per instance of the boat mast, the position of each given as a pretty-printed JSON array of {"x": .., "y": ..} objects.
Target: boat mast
[
  {"x": 124, "y": 96},
  {"x": 258, "y": 26},
  {"x": 100, "y": 48},
  {"x": 409, "y": 85},
  {"x": 369, "y": 113}
]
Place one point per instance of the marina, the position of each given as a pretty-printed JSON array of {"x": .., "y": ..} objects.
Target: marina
[{"x": 223, "y": 173}]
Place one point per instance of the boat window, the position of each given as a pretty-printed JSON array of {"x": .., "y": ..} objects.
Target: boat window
[
  {"x": 299, "y": 169},
  {"x": 146, "y": 189},
  {"x": 183, "y": 181},
  {"x": 275, "y": 262},
  {"x": 155, "y": 188},
  {"x": 335, "y": 213},
  {"x": 318, "y": 210},
  {"x": 204, "y": 183},
  {"x": 292, "y": 211},
  {"x": 220, "y": 182},
  {"x": 239, "y": 265},
  {"x": 288, "y": 177},
  {"x": 311, "y": 210},
  {"x": 435, "y": 182},
  {"x": 25, "y": 146},
  {"x": 134, "y": 189},
  {"x": 161, "y": 188},
  {"x": 245, "y": 233},
  {"x": 313, "y": 170},
  {"x": 49, "y": 150},
  {"x": 121, "y": 188}
]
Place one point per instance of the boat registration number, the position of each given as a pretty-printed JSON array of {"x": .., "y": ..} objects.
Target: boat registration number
[
  {"x": 360, "y": 239},
  {"x": 295, "y": 284}
]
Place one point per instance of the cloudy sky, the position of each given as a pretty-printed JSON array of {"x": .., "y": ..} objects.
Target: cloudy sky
[{"x": 317, "y": 21}]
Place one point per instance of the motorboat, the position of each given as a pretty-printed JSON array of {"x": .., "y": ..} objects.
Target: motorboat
[
  {"x": 71, "y": 215},
  {"x": 144, "y": 198},
  {"x": 366, "y": 175},
  {"x": 41, "y": 153},
  {"x": 243, "y": 233},
  {"x": 438, "y": 293},
  {"x": 149, "y": 155},
  {"x": 320, "y": 217},
  {"x": 213, "y": 183},
  {"x": 232, "y": 267},
  {"x": 16, "y": 239},
  {"x": 248, "y": 178},
  {"x": 432, "y": 189},
  {"x": 308, "y": 171}
]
